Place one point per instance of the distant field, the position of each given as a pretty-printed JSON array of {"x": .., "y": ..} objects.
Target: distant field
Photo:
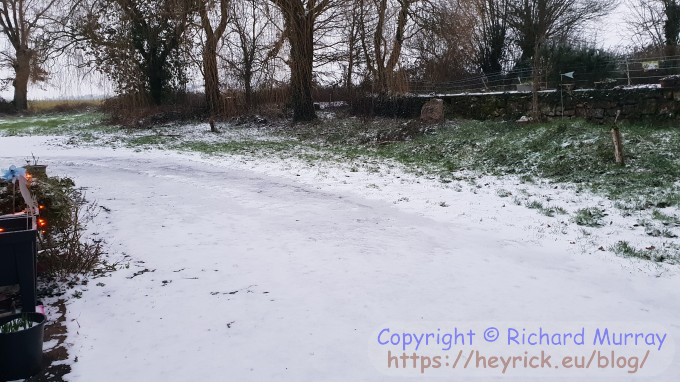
[{"x": 42, "y": 106}]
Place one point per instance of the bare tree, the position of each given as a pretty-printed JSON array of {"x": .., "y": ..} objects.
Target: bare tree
[
  {"x": 251, "y": 44},
  {"x": 300, "y": 19},
  {"x": 212, "y": 36},
  {"x": 491, "y": 34},
  {"x": 655, "y": 23},
  {"x": 26, "y": 25},
  {"x": 384, "y": 29},
  {"x": 646, "y": 19},
  {"x": 352, "y": 37},
  {"x": 444, "y": 47},
  {"x": 537, "y": 21}
]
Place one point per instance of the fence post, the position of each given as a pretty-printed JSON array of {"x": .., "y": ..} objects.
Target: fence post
[{"x": 618, "y": 141}]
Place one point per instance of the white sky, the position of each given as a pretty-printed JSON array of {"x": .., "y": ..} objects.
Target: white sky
[
  {"x": 612, "y": 31},
  {"x": 609, "y": 32}
]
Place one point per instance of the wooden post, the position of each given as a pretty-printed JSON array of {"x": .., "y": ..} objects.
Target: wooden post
[
  {"x": 618, "y": 141},
  {"x": 14, "y": 196}
]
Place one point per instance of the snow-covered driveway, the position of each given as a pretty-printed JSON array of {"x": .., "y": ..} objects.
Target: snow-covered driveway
[{"x": 242, "y": 276}]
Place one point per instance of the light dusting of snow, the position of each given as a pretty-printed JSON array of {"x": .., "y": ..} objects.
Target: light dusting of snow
[{"x": 256, "y": 268}]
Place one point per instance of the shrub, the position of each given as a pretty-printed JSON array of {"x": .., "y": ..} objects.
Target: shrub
[
  {"x": 64, "y": 248},
  {"x": 6, "y": 107}
]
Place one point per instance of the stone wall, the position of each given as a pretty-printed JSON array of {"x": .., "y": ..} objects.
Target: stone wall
[{"x": 598, "y": 105}]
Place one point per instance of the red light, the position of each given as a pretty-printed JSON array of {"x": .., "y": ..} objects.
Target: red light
[
  {"x": 41, "y": 207},
  {"x": 2, "y": 230}
]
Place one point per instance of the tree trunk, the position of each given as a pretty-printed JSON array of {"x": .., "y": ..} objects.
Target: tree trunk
[
  {"x": 301, "y": 62},
  {"x": 350, "y": 72},
  {"x": 618, "y": 141},
  {"x": 210, "y": 72},
  {"x": 22, "y": 71},
  {"x": 396, "y": 46},
  {"x": 671, "y": 26},
  {"x": 618, "y": 146},
  {"x": 156, "y": 82},
  {"x": 536, "y": 78},
  {"x": 248, "y": 86},
  {"x": 212, "y": 84},
  {"x": 380, "y": 76},
  {"x": 351, "y": 45}
]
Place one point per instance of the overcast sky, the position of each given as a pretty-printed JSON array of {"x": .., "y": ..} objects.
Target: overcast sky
[{"x": 67, "y": 84}]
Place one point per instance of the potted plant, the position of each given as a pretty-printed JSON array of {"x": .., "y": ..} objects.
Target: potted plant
[
  {"x": 36, "y": 170},
  {"x": 21, "y": 341},
  {"x": 524, "y": 87}
]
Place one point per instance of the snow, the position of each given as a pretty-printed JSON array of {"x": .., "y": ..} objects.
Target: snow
[
  {"x": 643, "y": 86},
  {"x": 256, "y": 269},
  {"x": 487, "y": 93}
]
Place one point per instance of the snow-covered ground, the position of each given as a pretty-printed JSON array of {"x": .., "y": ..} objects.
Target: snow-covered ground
[{"x": 256, "y": 269}]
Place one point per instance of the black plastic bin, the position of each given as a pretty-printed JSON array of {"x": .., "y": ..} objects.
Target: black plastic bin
[
  {"x": 21, "y": 352},
  {"x": 18, "y": 264},
  {"x": 11, "y": 223}
]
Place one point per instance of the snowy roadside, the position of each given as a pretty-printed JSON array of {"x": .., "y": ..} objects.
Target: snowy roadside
[
  {"x": 549, "y": 211},
  {"x": 494, "y": 204}
]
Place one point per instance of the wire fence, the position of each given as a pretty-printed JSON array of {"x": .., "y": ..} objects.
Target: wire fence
[{"x": 625, "y": 72}]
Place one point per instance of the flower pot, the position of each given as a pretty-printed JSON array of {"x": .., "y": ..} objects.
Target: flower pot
[
  {"x": 524, "y": 87},
  {"x": 16, "y": 222},
  {"x": 21, "y": 352},
  {"x": 37, "y": 170}
]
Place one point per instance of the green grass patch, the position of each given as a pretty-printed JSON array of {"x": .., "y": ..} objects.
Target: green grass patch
[
  {"x": 151, "y": 140},
  {"x": 670, "y": 253},
  {"x": 547, "y": 211},
  {"x": 572, "y": 152},
  {"x": 240, "y": 147},
  {"x": 589, "y": 217},
  {"x": 535, "y": 205},
  {"x": 54, "y": 124},
  {"x": 553, "y": 210},
  {"x": 665, "y": 218},
  {"x": 503, "y": 193},
  {"x": 655, "y": 228}
]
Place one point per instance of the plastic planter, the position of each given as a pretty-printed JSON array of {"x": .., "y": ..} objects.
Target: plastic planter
[
  {"x": 524, "y": 87},
  {"x": 17, "y": 222},
  {"x": 21, "y": 352},
  {"x": 18, "y": 264}
]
